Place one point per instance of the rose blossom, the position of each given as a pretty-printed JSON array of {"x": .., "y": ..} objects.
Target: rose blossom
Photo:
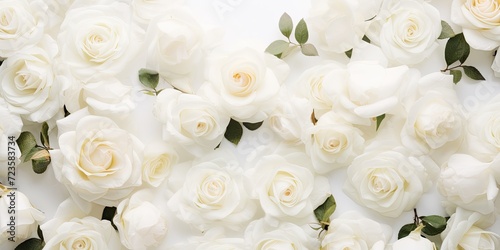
[
  {"x": 468, "y": 183},
  {"x": 389, "y": 181},
  {"x": 414, "y": 241},
  {"x": 97, "y": 161},
  {"x": 407, "y": 30},
  {"x": 213, "y": 194},
  {"x": 30, "y": 83},
  {"x": 464, "y": 230},
  {"x": 333, "y": 143},
  {"x": 190, "y": 120},
  {"x": 480, "y": 22},
  {"x": 352, "y": 231},
  {"x": 145, "y": 10},
  {"x": 260, "y": 235},
  {"x": 245, "y": 82},
  {"x": 341, "y": 24},
  {"x": 10, "y": 125},
  {"x": 159, "y": 158}
]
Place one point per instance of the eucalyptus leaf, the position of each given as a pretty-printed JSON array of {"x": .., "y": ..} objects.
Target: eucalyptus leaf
[
  {"x": 26, "y": 142},
  {"x": 433, "y": 224},
  {"x": 456, "y": 49},
  {"x": 234, "y": 132},
  {"x": 149, "y": 78},
  {"x": 301, "y": 32},
  {"x": 446, "y": 31},
  {"x": 108, "y": 214},
  {"x": 457, "y": 75},
  {"x": 31, "y": 153},
  {"x": 380, "y": 118},
  {"x": 325, "y": 210},
  {"x": 40, "y": 161},
  {"x": 253, "y": 126},
  {"x": 277, "y": 47},
  {"x": 31, "y": 244},
  {"x": 309, "y": 50},
  {"x": 473, "y": 73},
  {"x": 406, "y": 230},
  {"x": 286, "y": 25},
  {"x": 44, "y": 135}
]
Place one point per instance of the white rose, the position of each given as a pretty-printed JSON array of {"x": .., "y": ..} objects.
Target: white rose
[
  {"x": 191, "y": 121},
  {"x": 262, "y": 236},
  {"x": 23, "y": 24},
  {"x": 483, "y": 137},
  {"x": 464, "y": 230},
  {"x": 177, "y": 47},
  {"x": 468, "y": 183},
  {"x": 408, "y": 30},
  {"x": 141, "y": 224},
  {"x": 414, "y": 241},
  {"x": 479, "y": 20},
  {"x": 341, "y": 24},
  {"x": 389, "y": 181},
  {"x": 85, "y": 233},
  {"x": 245, "y": 82},
  {"x": 159, "y": 158},
  {"x": 26, "y": 220},
  {"x": 213, "y": 194},
  {"x": 98, "y": 39},
  {"x": 145, "y": 10},
  {"x": 286, "y": 186},
  {"x": 97, "y": 161},
  {"x": 352, "y": 231},
  {"x": 10, "y": 128},
  {"x": 333, "y": 143},
  {"x": 103, "y": 96},
  {"x": 30, "y": 84}
]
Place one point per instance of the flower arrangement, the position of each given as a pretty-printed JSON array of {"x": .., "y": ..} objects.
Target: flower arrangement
[{"x": 327, "y": 134}]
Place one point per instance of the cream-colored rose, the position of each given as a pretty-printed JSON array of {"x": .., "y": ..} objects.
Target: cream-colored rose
[
  {"x": 245, "y": 82},
  {"x": 414, "y": 241},
  {"x": 408, "y": 30},
  {"x": 141, "y": 224},
  {"x": 480, "y": 21},
  {"x": 468, "y": 183},
  {"x": 177, "y": 46},
  {"x": 213, "y": 194},
  {"x": 30, "y": 83},
  {"x": 97, "y": 161},
  {"x": 10, "y": 128},
  {"x": 464, "y": 230},
  {"x": 389, "y": 181},
  {"x": 333, "y": 143},
  {"x": 260, "y": 235},
  {"x": 352, "y": 231},
  {"x": 191, "y": 121},
  {"x": 98, "y": 39},
  {"x": 27, "y": 218},
  {"x": 341, "y": 24},
  {"x": 483, "y": 135},
  {"x": 159, "y": 158},
  {"x": 23, "y": 24}
]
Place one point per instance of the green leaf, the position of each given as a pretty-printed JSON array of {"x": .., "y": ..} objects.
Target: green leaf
[
  {"x": 40, "y": 161},
  {"x": 234, "y": 132},
  {"x": 348, "y": 53},
  {"x": 366, "y": 39},
  {"x": 433, "y": 224},
  {"x": 29, "y": 155},
  {"x": 40, "y": 233},
  {"x": 406, "y": 230},
  {"x": 44, "y": 135},
  {"x": 325, "y": 210},
  {"x": 31, "y": 244},
  {"x": 108, "y": 214},
  {"x": 446, "y": 31},
  {"x": 149, "y": 78},
  {"x": 473, "y": 73},
  {"x": 380, "y": 118},
  {"x": 457, "y": 75},
  {"x": 301, "y": 32},
  {"x": 253, "y": 126},
  {"x": 286, "y": 25},
  {"x": 26, "y": 142},
  {"x": 457, "y": 49},
  {"x": 277, "y": 47},
  {"x": 287, "y": 51},
  {"x": 309, "y": 50}
]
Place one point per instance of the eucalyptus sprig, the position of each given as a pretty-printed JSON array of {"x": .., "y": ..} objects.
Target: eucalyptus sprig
[
  {"x": 456, "y": 51},
  {"x": 323, "y": 214},
  {"x": 30, "y": 150},
  {"x": 283, "y": 48},
  {"x": 150, "y": 80},
  {"x": 432, "y": 225}
]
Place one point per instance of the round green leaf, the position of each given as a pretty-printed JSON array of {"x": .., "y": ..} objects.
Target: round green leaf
[
  {"x": 433, "y": 224},
  {"x": 457, "y": 49},
  {"x": 149, "y": 78},
  {"x": 234, "y": 132},
  {"x": 325, "y": 210},
  {"x": 286, "y": 25},
  {"x": 406, "y": 230},
  {"x": 457, "y": 75}
]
